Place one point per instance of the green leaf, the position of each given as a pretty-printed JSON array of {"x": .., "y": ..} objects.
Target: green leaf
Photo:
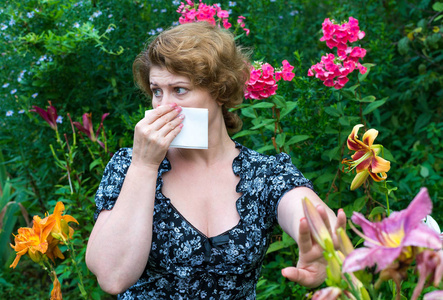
[
  {"x": 265, "y": 148},
  {"x": 438, "y": 6},
  {"x": 95, "y": 163},
  {"x": 359, "y": 203},
  {"x": 279, "y": 101},
  {"x": 290, "y": 106},
  {"x": 263, "y": 105},
  {"x": 280, "y": 139},
  {"x": 263, "y": 123},
  {"x": 374, "y": 105},
  {"x": 377, "y": 211},
  {"x": 245, "y": 132},
  {"x": 422, "y": 120},
  {"x": 366, "y": 99},
  {"x": 388, "y": 155},
  {"x": 248, "y": 112},
  {"x": 297, "y": 139},
  {"x": 332, "y": 111},
  {"x": 344, "y": 121},
  {"x": 424, "y": 171}
]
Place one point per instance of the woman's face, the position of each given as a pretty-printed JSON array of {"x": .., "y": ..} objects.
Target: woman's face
[{"x": 170, "y": 88}]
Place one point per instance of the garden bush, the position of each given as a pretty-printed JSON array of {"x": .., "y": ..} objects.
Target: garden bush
[{"x": 78, "y": 55}]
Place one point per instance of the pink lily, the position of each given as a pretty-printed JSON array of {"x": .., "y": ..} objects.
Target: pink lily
[
  {"x": 435, "y": 295},
  {"x": 50, "y": 115},
  {"x": 88, "y": 129},
  {"x": 429, "y": 264},
  {"x": 387, "y": 240}
]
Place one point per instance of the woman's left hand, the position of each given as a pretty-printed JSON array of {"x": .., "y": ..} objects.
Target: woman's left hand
[{"x": 311, "y": 266}]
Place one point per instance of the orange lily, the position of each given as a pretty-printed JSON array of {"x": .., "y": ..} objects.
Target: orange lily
[
  {"x": 366, "y": 160},
  {"x": 56, "y": 293},
  {"x": 53, "y": 250},
  {"x": 32, "y": 241},
  {"x": 61, "y": 230}
]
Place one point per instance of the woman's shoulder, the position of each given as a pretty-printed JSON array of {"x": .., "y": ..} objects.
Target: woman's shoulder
[{"x": 257, "y": 157}]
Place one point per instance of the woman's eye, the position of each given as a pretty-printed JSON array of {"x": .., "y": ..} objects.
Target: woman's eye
[
  {"x": 180, "y": 90},
  {"x": 156, "y": 92}
]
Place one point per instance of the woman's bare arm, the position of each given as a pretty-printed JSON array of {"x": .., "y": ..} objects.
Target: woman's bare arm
[{"x": 119, "y": 245}]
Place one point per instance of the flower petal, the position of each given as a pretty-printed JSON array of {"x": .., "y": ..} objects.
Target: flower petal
[
  {"x": 352, "y": 143},
  {"x": 369, "y": 137},
  {"x": 418, "y": 209},
  {"x": 367, "y": 257},
  {"x": 422, "y": 236},
  {"x": 380, "y": 165}
]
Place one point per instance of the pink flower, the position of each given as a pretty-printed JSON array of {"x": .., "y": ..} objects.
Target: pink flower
[
  {"x": 329, "y": 293},
  {"x": 385, "y": 241},
  {"x": 286, "y": 73},
  {"x": 88, "y": 129},
  {"x": 50, "y": 115},
  {"x": 429, "y": 264},
  {"x": 241, "y": 21},
  {"x": 223, "y": 14},
  {"x": 262, "y": 83},
  {"x": 435, "y": 295}
]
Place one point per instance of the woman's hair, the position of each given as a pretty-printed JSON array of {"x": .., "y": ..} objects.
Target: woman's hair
[{"x": 207, "y": 55}]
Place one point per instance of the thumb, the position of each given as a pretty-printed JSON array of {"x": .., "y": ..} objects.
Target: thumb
[{"x": 299, "y": 276}]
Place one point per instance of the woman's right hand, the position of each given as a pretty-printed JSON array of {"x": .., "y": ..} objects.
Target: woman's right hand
[{"x": 154, "y": 133}]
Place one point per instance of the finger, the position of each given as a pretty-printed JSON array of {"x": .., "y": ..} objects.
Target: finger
[
  {"x": 172, "y": 134},
  {"x": 300, "y": 276},
  {"x": 171, "y": 125},
  {"x": 324, "y": 216},
  {"x": 164, "y": 113},
  {"x": 341, "y": 219},
  {"x": 304, "y": 236}
]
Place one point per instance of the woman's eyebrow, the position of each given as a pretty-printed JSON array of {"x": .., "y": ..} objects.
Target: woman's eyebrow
[{"x": 172, "y": 83}]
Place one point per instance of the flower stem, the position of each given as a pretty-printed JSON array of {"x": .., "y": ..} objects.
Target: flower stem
[
  {"x": 387, "y": 197},
  {"x": 79, "y": 273}
]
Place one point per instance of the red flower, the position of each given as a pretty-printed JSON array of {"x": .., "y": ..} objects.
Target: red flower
[
  {"x": 88, "y": 129},
  {"x": 50, "y": 115}
]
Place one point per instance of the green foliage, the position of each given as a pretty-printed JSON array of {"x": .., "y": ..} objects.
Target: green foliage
[{"x": 78, "y": 55}]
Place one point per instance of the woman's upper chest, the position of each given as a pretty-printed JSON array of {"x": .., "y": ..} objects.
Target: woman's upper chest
[{"x": 205, "y": 197}]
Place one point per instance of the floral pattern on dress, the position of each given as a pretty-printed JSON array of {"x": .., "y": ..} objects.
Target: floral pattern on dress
[{"x": 185, "y": 264}]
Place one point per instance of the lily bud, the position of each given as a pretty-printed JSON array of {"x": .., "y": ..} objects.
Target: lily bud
[
  {"x": 344, "y": 242},
  {"x": 333, "y": 269},
  {"x": 317, "y": 226}
]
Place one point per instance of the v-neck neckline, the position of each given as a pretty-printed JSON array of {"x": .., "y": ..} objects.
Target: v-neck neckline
[{"x": 166, "y": 167}]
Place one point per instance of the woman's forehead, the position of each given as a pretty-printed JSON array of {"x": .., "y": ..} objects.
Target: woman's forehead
[{"x": 159, "y": 75}]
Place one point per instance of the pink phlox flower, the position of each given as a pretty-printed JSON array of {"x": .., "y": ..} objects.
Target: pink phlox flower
[
  {"x": 287, "y": 73},
  {"x": 88, "y": 128},
  {"x": 386, "y": 240},
  {"x": 336, "y": 35},
  {"x": 49, "y": 115},
  {"x": 262, "y": 83},
  {"x": 240, "y": 20},
  {"x": 226, "y": 24},
  {"x": 223, "y": 14}
]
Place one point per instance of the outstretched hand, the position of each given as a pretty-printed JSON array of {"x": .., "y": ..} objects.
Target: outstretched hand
[{"x": 311, "y": 265}]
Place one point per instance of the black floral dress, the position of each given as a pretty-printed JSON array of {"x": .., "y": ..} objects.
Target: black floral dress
[{"x": 183, "y": 263}]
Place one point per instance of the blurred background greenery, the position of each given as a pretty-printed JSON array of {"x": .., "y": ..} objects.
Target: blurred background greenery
[{"x": 79, "y": 54}]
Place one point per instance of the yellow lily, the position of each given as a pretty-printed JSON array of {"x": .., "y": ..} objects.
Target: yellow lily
[{"x": 366, "y": 160}]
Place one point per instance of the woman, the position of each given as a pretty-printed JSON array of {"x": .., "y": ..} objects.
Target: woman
[{"x": 177, "y": 223}]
